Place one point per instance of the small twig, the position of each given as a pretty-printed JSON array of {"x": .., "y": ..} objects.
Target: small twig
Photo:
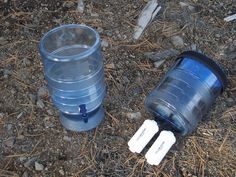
[
  {"x": 26, "y": 154},
  {"x": 29, "y": 135},
  {"x": 12, "y": 43},
  {"x": 83, "y": 170},
  {"x": 157, "y": 173},
  {"x": 226, "y": 136},
  {"x": 112, "y": 78},
  {"x": 126, "y": 21},
  {"x": 24, "y": 26},
  {"x": 9, "y": 161},
  {"x": 135, "y": 45},
  {"x": 113, "y": 118},
  {"x": 133, "y": 156},
  {"x": 203, "y": 169},
  {"x": 6, "y": 173}
]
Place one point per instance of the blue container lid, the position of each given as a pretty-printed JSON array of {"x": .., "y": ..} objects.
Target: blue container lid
[{"x": 211, "y": 64}]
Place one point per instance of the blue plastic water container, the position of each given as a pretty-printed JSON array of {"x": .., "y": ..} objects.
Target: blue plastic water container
[
  {"x": 73, "y": 68},
  {"x": 186, "y": 92}
]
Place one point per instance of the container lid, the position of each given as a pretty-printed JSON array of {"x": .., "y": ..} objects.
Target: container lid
[{"x": 213, "y": 65}]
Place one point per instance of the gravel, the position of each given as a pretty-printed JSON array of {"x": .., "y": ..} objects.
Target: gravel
[
  {"x": 38, "y": 166},
  {"x": 67, "y": 138},
  {"x": 134, "y": 115},
  {"x": 25, "y": 174},
  {"x": 29, "y": 162},
  {"x": 68, "y": 4},
  {"x": 32, "y": 98},
  {"x": 230, "y": 102},
  {"x": 177, "y": 41},
  {"x": 40, "y": 104},
  {"x": 157, "y": 64},
  {"x": 10, "y": 142},
  {"x": 161, "y": 55},
  {"x": 104, "y": 43},
  {"x": 42, "y": 92}
]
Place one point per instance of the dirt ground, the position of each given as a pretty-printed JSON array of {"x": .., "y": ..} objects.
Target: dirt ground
[{"x": 32, "y": 140}]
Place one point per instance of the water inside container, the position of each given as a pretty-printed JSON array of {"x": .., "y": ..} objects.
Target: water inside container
[
  {"x": 74, "y": 81},
  {"x": 76, "y": 70}
]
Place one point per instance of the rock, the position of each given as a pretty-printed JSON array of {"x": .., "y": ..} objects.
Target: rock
[
  {"x": 1, "y": 115},
  {"x": 68, "y": 4},
  {"x": 80, "y": 6},
  {"x": 40, "y": 104},
  {"x": 22, "y": 159},
  {"x": 3, "y": 41},
  {"x": 50, "y": 112},
  {"x": 48, "y": 123},
  {"x": 9, "y": 142},
  {"x": 25, "y": 174},
  {"x": 217, "y": 35},
  {"x": 61, "y": 171},
  {"x": 94, "y": 15},
  {"x": 134, "y": 115},
  {"x": 9, "y": 127},
  {"x": 184, "y": 5},
  {"x": 100, "y": 30},
  {"x": 6, "y": 73},
  {"x": 32, "y": 98},
  {"x": 230, "y": 51},
  {"x": 19, "y": 115},
  {"x": 67, "y": 138},
  {"x": 26, "y": 62},
  {"x": 230, "y": 102},
  {"x": 104, "y": 43},
  {"x": 194, "y": 47},
  {"x": 110, "y": 66},
  {"x": 38, "y": 166},
  {"x": 177, "y": 41},
  {"x": 161, "y": 55},
  {"x": 137, "y": 90},
  {"x": 126, "y": 79},
  {"x": 157, "y": 64},
  {"x": 29, "y": 162},
  {"x": 13, "y": 91},
  {"x": 20, "y": 137},
  {"x": 42, "y": 92}
]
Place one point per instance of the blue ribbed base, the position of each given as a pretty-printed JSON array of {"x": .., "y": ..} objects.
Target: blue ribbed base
[{"x": 75, "y": 123}]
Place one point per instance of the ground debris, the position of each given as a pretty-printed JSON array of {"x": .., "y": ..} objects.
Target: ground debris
[
  {"x": 146, "y": 17},
  {"x": 38, "y": 166},
  {"x": 183, "y": 5},
  {"x": 230, "y": 18},
  {"x": 40, "y": 104},
  {"x": 177, "y": 41},
  {"x": 161, "y": 55},
  {"x": 9, "y": 142},
  {"x": 68, "y": 4},
  {"x": 157, "y": 64},
  {"x": 80, "y": 6},
  {"x": 134, "y": 115},
  {"x": 42, "y": 92}
]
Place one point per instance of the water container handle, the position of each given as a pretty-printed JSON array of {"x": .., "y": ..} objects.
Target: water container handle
[{"x": 83, "y": 112}]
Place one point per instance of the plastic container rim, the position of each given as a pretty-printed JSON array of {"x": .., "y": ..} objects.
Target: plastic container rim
[
  {"x": 83, "y": 54},
  {"x": 215, "y": 67}
]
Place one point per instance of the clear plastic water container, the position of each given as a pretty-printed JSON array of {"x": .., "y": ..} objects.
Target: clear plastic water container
[
  {"x": 186, "y": 92},
  {"x": 73, "y": 68}
]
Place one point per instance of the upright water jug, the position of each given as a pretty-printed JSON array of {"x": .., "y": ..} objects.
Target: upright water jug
[{"x": 73, "y": 68}]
